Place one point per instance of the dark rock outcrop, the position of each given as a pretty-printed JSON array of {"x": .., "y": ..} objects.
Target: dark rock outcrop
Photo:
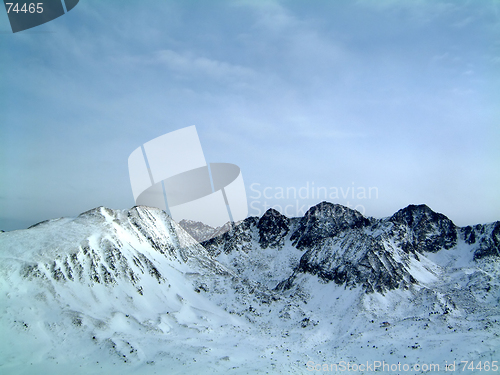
[
  {"x": 341, "y": 245},
  {"x": 326, "y": 220},
  {"x": 273, "y": 228},
  {"x": 418, "y": 228}
]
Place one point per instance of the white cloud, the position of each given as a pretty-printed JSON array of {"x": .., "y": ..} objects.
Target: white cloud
[
  {"x": 190, "y": 63},
  {"x": 464, "y": 22}
]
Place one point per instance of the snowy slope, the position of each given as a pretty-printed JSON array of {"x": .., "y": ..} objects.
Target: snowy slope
[
  {"x": 109, "y": 282},
  {"x": 429, "y": 279},
  {"x": 131, "y": 292}
]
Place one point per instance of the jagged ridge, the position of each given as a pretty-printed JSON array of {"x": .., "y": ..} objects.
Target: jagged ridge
[{"x": 341, "y": 245}]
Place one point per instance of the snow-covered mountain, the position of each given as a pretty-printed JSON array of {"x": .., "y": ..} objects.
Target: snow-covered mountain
[{"x": 132, "y": 292}]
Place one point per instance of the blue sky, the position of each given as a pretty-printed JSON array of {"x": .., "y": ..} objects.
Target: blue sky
[{"x": 401, "y": 96}]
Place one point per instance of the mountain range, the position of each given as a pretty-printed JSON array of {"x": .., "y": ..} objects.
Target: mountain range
[{"x": 132, "y": 291}]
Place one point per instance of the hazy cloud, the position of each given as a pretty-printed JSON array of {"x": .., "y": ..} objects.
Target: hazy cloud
[{"x": 392, "y": 94}]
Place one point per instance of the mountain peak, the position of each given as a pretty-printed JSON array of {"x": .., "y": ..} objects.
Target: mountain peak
[
  {"x": 425, "y": 229},
  {"x": 273, "y": 227},
  {"x": 331, "y": 209},
  {"x": 413, "y": 214},
  {"x": 326, "y": 220}
]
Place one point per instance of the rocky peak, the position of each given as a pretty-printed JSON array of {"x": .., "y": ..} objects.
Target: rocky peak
[
  {"x": 326, "y": 220},
  {"x": 485, "y": 239},
  {"x": 273, "y": 227},
  {"x": 423, "y": 230},
  {"x": 110, "y": 247},
  {"x": 340, "y": 245},
  {"x": 415, "y": 215},
  {"x": 239, "y": 237}
]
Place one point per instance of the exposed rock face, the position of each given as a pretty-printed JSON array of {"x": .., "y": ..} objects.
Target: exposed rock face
[
  {"x": 238, "y": 238},
  {"x": 418, "y": 228},
  {"x": 341, "y": 245},
  {"x": 326, "y": 220},
  {"x": 484, "y": 239},
  {"x": 273, "y": 228},
  {"x": 356, "y": 259}
]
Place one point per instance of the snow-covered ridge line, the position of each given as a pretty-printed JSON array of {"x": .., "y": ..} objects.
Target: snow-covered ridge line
[
  {"x": 131, "y": 291},
  {"x": 331, "y": 241},
  {"x": 104, "y": 246}
]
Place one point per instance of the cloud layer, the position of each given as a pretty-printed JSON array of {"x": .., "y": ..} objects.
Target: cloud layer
[{"x": 396, "y": 95}]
